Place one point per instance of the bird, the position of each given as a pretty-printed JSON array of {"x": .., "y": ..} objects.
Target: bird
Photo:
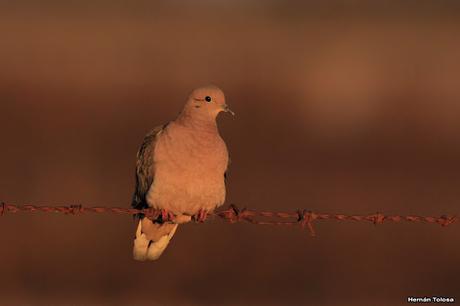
[{"x": 181, "y": 169}]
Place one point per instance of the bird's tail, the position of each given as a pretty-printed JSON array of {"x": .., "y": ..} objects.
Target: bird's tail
[{"x": 152, "y": 239}]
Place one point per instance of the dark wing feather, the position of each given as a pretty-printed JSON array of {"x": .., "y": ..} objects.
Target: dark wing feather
[
  {"x": 226, "y": 170},
  {"x": 144, "y": 168}
]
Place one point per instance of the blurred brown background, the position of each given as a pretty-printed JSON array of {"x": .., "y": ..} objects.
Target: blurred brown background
[{"x": 342, "y": 106}]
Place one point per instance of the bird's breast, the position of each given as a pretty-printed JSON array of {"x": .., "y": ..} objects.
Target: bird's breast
[
  {"x": 188, "y": 171},
  {"x": 191, "y": 152}
]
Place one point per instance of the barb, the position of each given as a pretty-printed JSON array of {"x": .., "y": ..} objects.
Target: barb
[{"x": 233, "y": 214}]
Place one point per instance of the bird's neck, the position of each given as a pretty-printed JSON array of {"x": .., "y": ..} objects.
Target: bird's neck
[{"x": 203, "y": 123}]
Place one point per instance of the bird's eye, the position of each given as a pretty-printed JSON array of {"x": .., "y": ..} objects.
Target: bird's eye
[{"x": 208, "y": 98}]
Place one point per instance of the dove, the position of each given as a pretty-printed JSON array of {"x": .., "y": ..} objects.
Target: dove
[{"x": 181, "y": 169}]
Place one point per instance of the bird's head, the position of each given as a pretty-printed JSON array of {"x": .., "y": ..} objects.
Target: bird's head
[{"x": 207, "y": 102}]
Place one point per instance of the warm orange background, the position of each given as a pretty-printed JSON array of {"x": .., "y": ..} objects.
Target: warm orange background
[{"x": 344, "y": 106}]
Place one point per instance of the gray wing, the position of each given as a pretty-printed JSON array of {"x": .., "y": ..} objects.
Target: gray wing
[{"x": 144, "y": 168}]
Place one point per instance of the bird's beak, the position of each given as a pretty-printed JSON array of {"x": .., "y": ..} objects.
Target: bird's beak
[{"x": 228, "y": 110}]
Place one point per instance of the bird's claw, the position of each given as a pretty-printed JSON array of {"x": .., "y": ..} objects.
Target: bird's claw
[
  {"x": 201, "y": 216},
  {"x": 166, "y": 215}
]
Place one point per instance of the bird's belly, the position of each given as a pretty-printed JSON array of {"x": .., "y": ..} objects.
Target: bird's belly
[
  {"x": 188, "y": 172},
  {"x": 186, "y": 192}
]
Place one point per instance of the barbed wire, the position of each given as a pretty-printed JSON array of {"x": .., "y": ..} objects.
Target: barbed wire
[{"x": 302, "y": 217}]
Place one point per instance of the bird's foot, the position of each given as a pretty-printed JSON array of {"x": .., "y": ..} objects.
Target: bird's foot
[
  {"x": 201, "y": 216},
  {"x": 166, "y": 215}
]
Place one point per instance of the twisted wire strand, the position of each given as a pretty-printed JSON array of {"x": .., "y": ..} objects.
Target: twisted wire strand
[{"x": 302, "y": 217}]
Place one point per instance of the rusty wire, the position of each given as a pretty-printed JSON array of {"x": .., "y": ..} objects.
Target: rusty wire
[{"x": 303, "y": 218}]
